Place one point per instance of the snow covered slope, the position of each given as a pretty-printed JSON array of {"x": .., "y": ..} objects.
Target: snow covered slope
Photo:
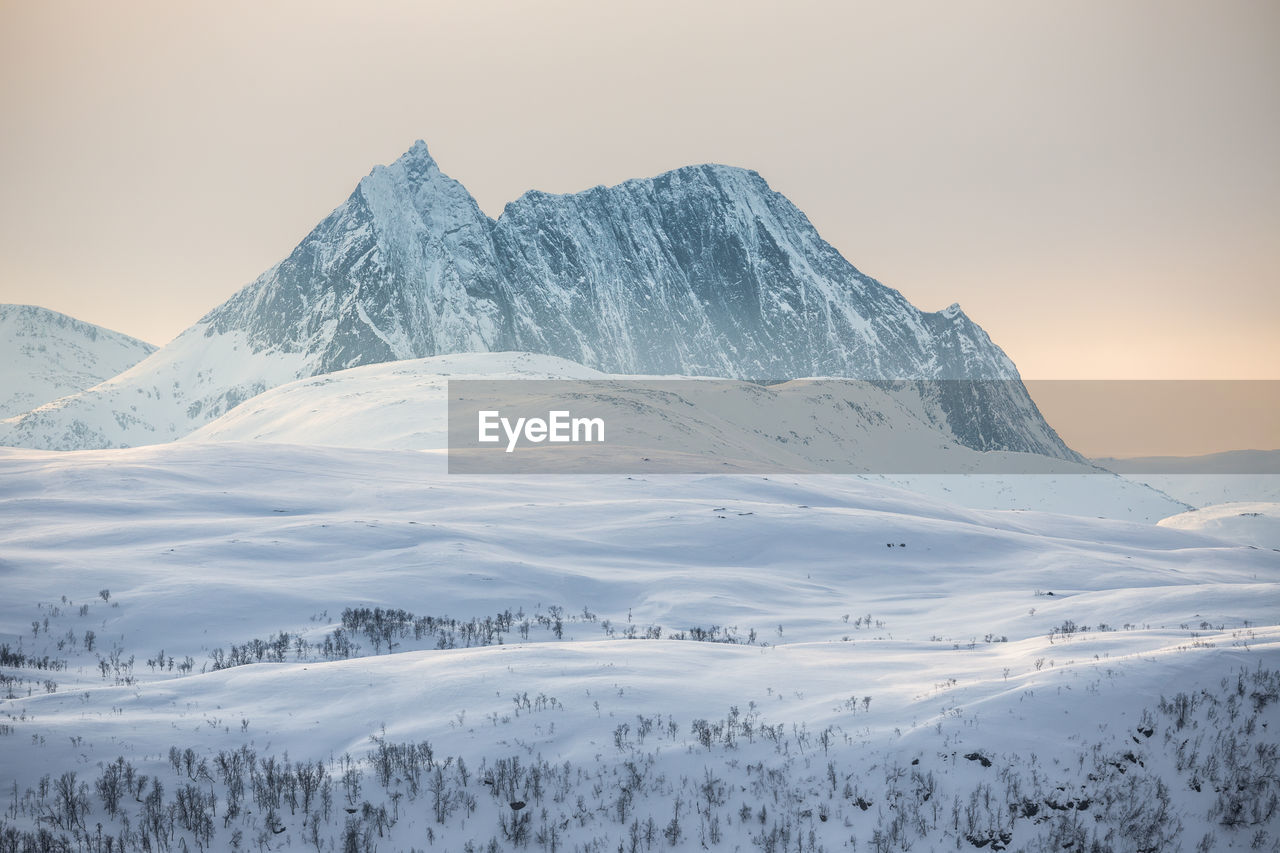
[
  {"x": 399, "y": 405},
  {"x": 45, "y": 355},
  {"x": 402, "y": 406},
  {"x": 830, "y": 663},
  {"x": 700, "y": 271},
  {"x": 1254, "y": 523},
  {"x": 195, "y": 378},
  {"x": 816, "y": 426}
]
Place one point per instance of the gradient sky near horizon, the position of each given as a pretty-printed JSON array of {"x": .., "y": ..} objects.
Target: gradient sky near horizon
[{"x": 1097, "y": 183}]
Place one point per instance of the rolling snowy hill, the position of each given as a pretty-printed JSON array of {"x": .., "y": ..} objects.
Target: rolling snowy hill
[
  {"x": 700, "y": 271},
  {"x": 45, "y": 355},
  {"x": 1255, "y": 523},
  {"x": 810, "y": 425},
  {"x": 399, "y": 405},
  {"x": 795, "y": 427}
]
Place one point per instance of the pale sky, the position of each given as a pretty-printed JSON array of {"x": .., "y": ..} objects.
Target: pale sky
[{"x": 1097, "y": 183}]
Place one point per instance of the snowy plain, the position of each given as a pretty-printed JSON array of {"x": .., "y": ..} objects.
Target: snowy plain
[{"x": 672, "y": 662}]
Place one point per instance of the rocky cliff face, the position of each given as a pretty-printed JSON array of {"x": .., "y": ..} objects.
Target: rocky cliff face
[
  {"x": 707, "y": 271},
  {"x": 701, "y": 271}
]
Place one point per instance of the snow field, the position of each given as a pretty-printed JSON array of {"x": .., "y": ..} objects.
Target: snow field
[{"x": 1041, "y": 644}]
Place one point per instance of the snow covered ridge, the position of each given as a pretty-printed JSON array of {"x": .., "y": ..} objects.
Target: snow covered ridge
[
  {"x": 321, "y": 649},
  {"x": 809, "y": 425},
  {"x": 701, "y": 271},
  {"x": 45, "y": 355}
]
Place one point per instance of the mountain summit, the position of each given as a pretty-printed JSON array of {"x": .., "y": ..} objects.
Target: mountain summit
[
  {"x": 405, "y": 268},
  {"x": 703, "y": 270}
]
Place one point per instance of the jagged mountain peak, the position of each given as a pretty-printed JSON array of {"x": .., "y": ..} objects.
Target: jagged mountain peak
[
  {"x": 415, "y": 163},
  {"x": 415, "y": 182},
  {"x": 414, "y": 166},
  {"x": 418, "y": 150}
]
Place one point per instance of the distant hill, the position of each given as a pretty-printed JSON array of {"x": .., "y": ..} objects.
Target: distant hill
[
  {"x": 1229, "y": 462},
  {"x": 45, "y": 355}
]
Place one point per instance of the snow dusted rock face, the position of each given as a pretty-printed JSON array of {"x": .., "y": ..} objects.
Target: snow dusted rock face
[
  {"x": 702, "y": 271},
  {"x": 404, "y": 268},
  {"x": 706, "y": 271},
  {"x": 45, "y": 355}
]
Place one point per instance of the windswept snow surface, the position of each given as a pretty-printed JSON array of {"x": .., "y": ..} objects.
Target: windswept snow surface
[{"x": 879, "y": 669}]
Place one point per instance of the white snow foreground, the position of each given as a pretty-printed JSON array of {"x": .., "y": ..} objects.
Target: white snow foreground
[{"x": 220, "y": 646}]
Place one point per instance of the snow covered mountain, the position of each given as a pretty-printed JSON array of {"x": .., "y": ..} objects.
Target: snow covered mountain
[
  {"x": 45, "y": 355},
  {"x": 701, "y": 271}
]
